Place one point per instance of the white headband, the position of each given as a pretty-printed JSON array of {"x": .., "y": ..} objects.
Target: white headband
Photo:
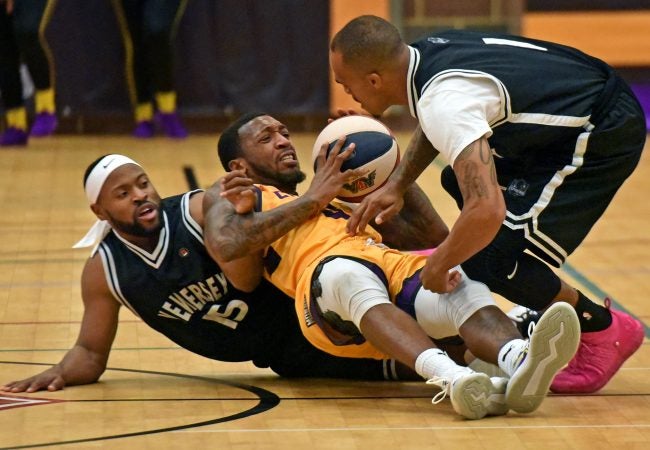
[{"x": 96, "y": 179}]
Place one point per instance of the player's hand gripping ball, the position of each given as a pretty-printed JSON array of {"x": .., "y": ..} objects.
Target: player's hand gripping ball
[{"x": 376, "y": 150}]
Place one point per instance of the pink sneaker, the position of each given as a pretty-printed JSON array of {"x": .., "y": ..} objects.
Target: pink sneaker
[{"x": 600, "y": 355}]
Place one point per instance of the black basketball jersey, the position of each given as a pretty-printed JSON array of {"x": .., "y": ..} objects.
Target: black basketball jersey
[
  {"x": 549, "y": 92},
  {"x": 181, "y": 292}
]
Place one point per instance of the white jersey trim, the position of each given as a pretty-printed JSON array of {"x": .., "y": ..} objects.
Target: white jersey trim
[
  {"x": 550, "y": 120},
  {"x": 528, "y": 221},
  {"x": 110, "y": 272},
  {"x": 506, "y": 115},
  {"x": 155, "y": 258},
  {"x": 513, "y": 43},
  {"x": 411, "y": 90},
  {"x": 192, "y": 226}
]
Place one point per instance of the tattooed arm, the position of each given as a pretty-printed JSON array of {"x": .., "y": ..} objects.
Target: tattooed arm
[
  {"x": 231, "y": 235},
  {"x": 236, "y": 240},
  {"x": 235, "y": 235},
  {"x": 416, "y": 158},
  {"x": 384, "y": 204},
  {"x": 417, "y": 226},
  {"x": 479, "y": 220}
]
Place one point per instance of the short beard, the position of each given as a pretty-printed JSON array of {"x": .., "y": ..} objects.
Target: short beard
[
  {"x": 134, "y": 228},
  {"x": 285, "y": 181}
]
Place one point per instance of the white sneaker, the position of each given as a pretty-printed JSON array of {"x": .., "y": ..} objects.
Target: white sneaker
[
  {"x": 522, "y": 317},
  {"x": 497, "y": 405},
  {"x": 473, "y": 395},
  {"x": 492, "y": 370},
  {"x": 552, "y": 345}
]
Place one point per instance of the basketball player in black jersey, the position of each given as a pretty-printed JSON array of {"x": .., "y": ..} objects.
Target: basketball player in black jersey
[
  {"x": 154, "y": 263},
  {"x": 151, "y": 259},
  {"x": 539, "y": 138},
  {"x": 355, "y": 297}
]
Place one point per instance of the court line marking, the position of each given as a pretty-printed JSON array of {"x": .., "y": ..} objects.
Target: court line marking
[
  {"x": 598, "y": 292},
  {"x": 439, "y": 428},
  {"x": 266, "y": 400}
]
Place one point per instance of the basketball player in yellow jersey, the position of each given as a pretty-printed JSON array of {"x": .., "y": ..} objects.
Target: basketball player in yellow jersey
[
  {"x": 348, "y": 290},
  {"x": 291, "y": 260}
]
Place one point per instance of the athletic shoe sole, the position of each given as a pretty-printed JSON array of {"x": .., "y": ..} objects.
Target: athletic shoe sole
[
  {"x": 553, "y": 344},
  {"x": 497, "y": 405},
  {"x": 474, "y": 396}
]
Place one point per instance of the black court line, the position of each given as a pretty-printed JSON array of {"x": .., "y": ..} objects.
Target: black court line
[
  {"x": 190, "y": 177},
  {"x": 267, "y": 400},
  {"x": 23, "y": 350}
]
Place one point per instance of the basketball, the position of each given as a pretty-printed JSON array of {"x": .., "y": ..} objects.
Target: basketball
[{"x": 376, "y": 150}]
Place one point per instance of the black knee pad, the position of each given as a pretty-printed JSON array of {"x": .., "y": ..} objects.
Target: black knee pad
[{"x": 521, "y": 278}]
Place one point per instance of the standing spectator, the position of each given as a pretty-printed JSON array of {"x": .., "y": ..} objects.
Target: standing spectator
[
  {"x": 148, "y": 28},
  {"x": 22, "y": 39}
]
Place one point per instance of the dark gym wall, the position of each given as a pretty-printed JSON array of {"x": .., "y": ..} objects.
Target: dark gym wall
[{"x": 231, "y": 56}]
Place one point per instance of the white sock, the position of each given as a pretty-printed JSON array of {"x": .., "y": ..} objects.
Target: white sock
[
  {"x": 433, "y": 362},
  {"x": 511, "y": 355}
]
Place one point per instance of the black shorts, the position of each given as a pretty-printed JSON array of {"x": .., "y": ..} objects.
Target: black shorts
[{"x": 552, "y": 204}]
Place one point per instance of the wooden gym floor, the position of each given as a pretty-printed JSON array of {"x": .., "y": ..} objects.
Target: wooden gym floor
[{"x": 156, "y": 395}]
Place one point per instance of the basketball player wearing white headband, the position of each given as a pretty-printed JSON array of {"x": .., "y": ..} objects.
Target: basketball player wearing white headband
[
  {"x": 149, "y": 256},
  {"x": 356, "y": 297}
]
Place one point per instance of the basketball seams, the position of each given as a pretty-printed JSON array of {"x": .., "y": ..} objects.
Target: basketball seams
[{"x": 376, "y": 150}]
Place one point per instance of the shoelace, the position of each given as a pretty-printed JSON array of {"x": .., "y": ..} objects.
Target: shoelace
[
  {"x": 521, "y": 357},
  {"x": 520, "y": 313},
  {"x": 531, "y": 328},
  {"x": 444, "y": 384},
  {"x": 523, "y": 317}
]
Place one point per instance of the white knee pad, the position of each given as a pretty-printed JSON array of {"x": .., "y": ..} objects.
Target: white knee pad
[
  {"x": 350, "y": 289},
  {"x": 441, "y": 315}
]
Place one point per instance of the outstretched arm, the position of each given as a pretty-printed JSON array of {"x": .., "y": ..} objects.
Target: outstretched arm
[{"x": 86, "y": 361}]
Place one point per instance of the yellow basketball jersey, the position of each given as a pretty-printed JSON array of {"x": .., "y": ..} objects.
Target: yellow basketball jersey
[
  {"x": 291, "y": 260},
  {"x": 287, "y": 258}
]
